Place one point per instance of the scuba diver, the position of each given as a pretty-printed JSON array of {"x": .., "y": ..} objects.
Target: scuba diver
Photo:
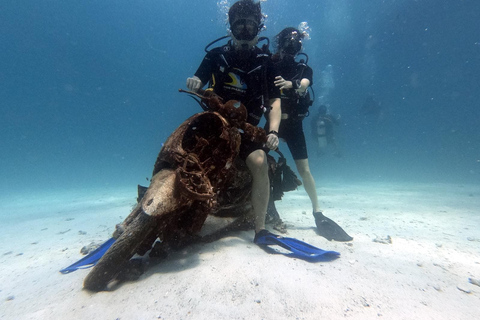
[
  {"x": 242, "y": 71},
  {"x": 323, "y": 132},
  {"x": 293, "y": 80}
]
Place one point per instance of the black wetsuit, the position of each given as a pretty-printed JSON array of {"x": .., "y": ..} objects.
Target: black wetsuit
[
  {"x": 244, "y": 76},
  {"x": 296, "y": 106}
]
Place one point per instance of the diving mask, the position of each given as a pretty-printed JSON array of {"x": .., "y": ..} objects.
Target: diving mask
[
  {"x": 245, "y": 29},
  {"x": 292, "y": 43}
]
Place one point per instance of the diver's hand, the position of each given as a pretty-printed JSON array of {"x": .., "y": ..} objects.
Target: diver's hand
[
  {"x": 272, "y": 140},
  {"x": 194, "y": 83},
  {"x": 282, "y": 83}
]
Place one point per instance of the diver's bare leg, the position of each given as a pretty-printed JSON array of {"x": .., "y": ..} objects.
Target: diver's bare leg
[
  {"x": 308, "y": 182},
  {"x": 257, "y": 164}
]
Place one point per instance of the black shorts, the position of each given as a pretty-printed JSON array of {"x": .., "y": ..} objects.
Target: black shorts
[
  {"x": 247, "y": 147},
  {"x": 291, "y": 130}
]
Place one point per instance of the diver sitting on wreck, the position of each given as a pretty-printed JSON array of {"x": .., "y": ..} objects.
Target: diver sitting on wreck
[{"x": 242, "y": 71}]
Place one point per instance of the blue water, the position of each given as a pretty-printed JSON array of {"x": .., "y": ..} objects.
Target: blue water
[{"x": 88, "y": 89}]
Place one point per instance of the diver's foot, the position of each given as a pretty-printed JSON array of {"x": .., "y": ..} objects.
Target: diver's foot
[
  {"x": 280, "y": 226},
  {"x": 328, "y": 229},
  {"x": 272, "y": 213},
  {"x": 260, "y": 237}
]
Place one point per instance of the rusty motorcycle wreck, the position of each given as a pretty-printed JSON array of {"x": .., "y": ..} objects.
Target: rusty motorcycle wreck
[{"x": 196, "y": 176}]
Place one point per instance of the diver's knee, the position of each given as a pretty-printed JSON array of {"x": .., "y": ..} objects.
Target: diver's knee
[
  {"x": 302, "y": 167},
  {"x": 257, "y": 160}
]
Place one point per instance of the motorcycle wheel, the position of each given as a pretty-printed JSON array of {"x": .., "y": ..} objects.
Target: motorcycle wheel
[{"x": 115, "y": 259}]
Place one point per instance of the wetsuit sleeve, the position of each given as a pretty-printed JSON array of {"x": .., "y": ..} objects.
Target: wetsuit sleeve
[
  {"x": 308, "y": 74},
  {"x": 272, "y": 72},
  {"x": 204, "y": 71}
]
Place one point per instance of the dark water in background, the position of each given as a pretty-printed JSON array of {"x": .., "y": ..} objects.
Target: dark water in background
[{"x": 88, "y": 89}]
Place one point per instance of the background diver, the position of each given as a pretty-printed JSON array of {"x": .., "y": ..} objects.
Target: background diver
[{"x": 323, "y": 132}]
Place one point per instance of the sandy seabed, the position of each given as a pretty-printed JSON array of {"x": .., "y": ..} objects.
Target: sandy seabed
[{"x": 422, "y": 274}]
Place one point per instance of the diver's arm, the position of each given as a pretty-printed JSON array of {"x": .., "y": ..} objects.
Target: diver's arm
[
  {"x": 304, "y": 84},
  {"x": 274, "y": 117},
  {"x": 301, "y": 86},
  {"x": 336, "y": 120},
  {"x": 203, "y": 73}
]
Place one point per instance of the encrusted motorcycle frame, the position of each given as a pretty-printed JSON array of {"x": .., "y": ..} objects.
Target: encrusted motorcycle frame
[{"x": 197, "y": 174}]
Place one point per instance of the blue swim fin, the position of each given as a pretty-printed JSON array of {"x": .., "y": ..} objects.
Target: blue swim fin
[
  {"x": 297, "y": 249},
  {"x": 91, "y": 259}
]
